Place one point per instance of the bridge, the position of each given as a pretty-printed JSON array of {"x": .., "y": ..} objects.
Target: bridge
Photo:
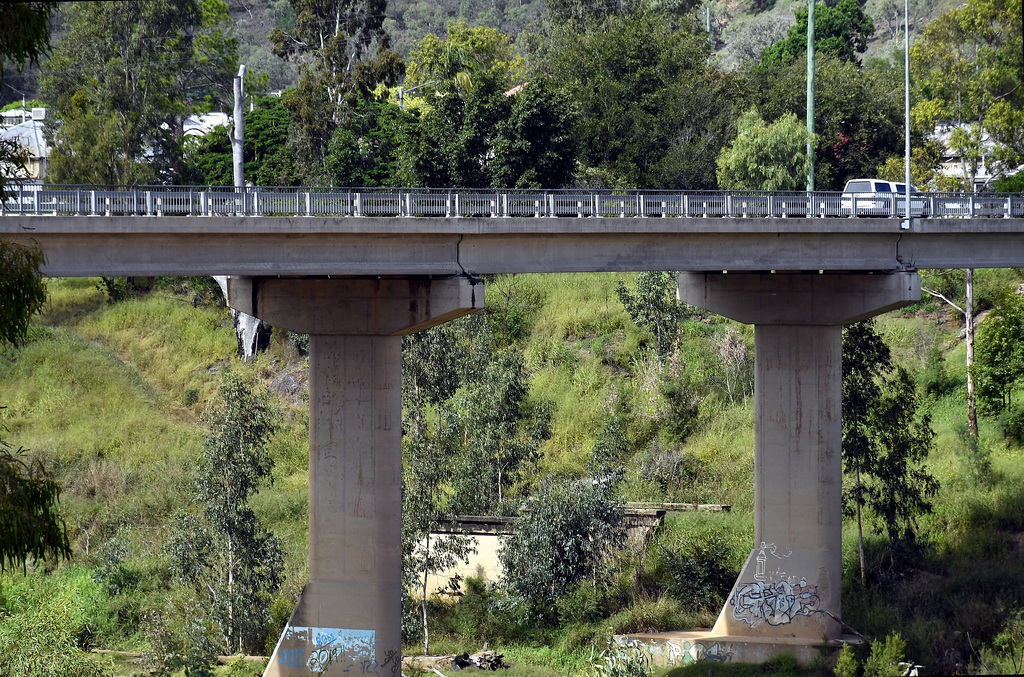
[{"x": 356, "y": 269}]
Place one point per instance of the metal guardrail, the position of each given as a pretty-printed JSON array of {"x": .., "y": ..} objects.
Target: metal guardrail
[{"x": 43, "y": 200}]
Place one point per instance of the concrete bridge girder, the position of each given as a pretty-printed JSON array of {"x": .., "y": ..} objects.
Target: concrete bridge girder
[
  {"x": 789, "y": 588},
  {"x": 349, "y": 615}
]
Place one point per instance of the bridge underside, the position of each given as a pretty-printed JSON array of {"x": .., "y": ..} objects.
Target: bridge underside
[{"x": 788, "y": 594}]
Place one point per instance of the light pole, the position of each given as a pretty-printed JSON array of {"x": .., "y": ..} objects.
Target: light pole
[
  {"x": 810, "y": 95},
  {"x": 905, "y": 224}
]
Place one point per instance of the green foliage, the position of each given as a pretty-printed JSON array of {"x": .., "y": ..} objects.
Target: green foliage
[
  {"x": 653, "y": 306},
  {"x": 22, "y": 292},
  {"x": 841, "y": 31},
  {"x": 624, "y": 658},
  {"x": 227, "y": 554},
  {"x": 564, "y": 535},
  {"x": 30, "y": 521},
  {"x": 123, "y": 79},
  {"x": 846, "y": 663},
  {"x": 858, "y": 112},
  {"x": 885, "y": 438},
  {"x": 969, "y": 67},
  {"x": 111, "y": 570},
  {"x": 343, "y": 55},
  {"x": 698, "y": 571},
  {"x": 885, "y": 658},
  {"x": 183, "y": 636},
  {"x": 765, "y": 157},
  {"x": 653, "y": 114},
  {"x": 999, "y": 354},
  {"x": 268, "y": 160},
  {"x": 44, "y": 625},
  {"x": 464, "y": 52}
]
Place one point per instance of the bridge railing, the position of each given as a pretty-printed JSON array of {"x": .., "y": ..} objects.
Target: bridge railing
[{"x": 446, "y": 203}]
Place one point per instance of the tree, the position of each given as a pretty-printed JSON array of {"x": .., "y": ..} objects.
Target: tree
[
  {"x": 652, "y": 112},
  {"x": 999, "y": 368},
  {"x": 564, "y": 535},
  {"x": 226, "y": 553},
  {"x": 858, "y": 112},
  {"x": 967, "y": 311},
  {"x": 123, "y": 80},
  {"x": 268, "y": 160},
  {"x": 30, "y": 523},
  {"x": 343, "y": 54},
  {"x": 535, "y": 146},
  {"x": 841, "y": 31},
  {"x": 765, "y": 156},
  {"x": 24, "y": 39},
  {"x": 463, "y": 53},
  {"x": 885, "y": 441},
  {"x": 653, "y": 306},
  {"x": 969, "y": 66}
]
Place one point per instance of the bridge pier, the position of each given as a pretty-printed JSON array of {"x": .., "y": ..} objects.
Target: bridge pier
[
  {"x": 349, "y": 619},
  {"x": 787, "y": 596}
]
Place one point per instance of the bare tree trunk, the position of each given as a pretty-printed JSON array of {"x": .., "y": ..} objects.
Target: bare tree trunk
[
  {"x": 972, "y": 411},
  {"x": 860, "y": 539},
  {"x": 423, "y": 605}
]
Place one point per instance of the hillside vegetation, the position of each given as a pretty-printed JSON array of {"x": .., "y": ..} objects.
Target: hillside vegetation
[{"x": 111, "y": 395}]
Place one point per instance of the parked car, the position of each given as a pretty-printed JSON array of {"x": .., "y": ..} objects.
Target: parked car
[{"x": 875, "y": 197}]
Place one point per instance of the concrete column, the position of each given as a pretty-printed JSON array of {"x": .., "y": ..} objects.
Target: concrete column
[
  {"x": 789, "y": 588},
  {"x": 349, "y": 618}
]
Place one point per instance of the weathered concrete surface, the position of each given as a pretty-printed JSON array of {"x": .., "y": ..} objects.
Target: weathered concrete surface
[
  {"x": 790, "y": 586},
  {"x": 673, "y": 649},
  {"x": 348, "y": 619},
  {"x": 79, "y": 246}
]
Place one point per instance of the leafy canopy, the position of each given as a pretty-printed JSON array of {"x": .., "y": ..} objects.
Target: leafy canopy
[{"x": 765, "y": 156}]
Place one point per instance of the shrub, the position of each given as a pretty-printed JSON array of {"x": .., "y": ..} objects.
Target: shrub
[
  {"x": 698, "y": 572},
  {"x": 625, "y": 658},
  {"x": 885, "y": 658}
]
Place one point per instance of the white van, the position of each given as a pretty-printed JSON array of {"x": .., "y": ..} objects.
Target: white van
[{"x": 875, "y": 197}]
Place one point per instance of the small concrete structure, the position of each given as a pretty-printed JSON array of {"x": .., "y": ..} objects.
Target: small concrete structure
[{"x": 349, "y": 617}]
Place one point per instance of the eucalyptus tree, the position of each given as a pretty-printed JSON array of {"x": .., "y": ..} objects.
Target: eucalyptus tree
[
  {"x": 224, "y": 552},
  {"x": 652, "y": 112},
  {"x": 343, "y": 53},
  {"x": 124, "y": 78},
  {"x": 886, "y": 439}
]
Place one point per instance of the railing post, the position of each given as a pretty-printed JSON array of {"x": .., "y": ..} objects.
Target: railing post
[
  {"x": 309, "y": 203},
  {"x": 149, "y": 203},
  {"x": 203, "y": 203},
  {"x": 1009, "y": 208},
  {"x": 684, "y": 205},
  {"x": 728, "y": 205},
  {"x": 408, "y": 203},
  {"x": 504, "y": 205},
  {"x": 970, "y": 204},
  {"x": 641, "y": 208}
]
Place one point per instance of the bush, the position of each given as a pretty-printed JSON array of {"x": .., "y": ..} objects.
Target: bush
[
  {"x": 697, "y": 572},
  {"x": 885, "y": 658},
  {"x": 1012, "y": 423},
  {"x": 626, "y": 658}
]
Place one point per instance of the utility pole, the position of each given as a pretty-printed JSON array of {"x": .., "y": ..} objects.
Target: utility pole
[
  {"x": 810, "y": 95},
  {"x": 905, "y": 224},
  {"x": 238, "y": 132}
]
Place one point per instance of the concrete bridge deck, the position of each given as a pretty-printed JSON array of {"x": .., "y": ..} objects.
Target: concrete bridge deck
[{"x": 429, "y": 246}]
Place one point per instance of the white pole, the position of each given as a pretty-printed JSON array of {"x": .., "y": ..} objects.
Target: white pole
[{"x": 906, "y": 109}]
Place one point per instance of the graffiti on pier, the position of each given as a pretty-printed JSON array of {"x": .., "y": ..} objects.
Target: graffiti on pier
[
  {"x": 774, "y": 603},
  {"x": 694, "y": 652},
  {"x": 760, "y": 572},
  {"x": 347, "y": 651}
]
